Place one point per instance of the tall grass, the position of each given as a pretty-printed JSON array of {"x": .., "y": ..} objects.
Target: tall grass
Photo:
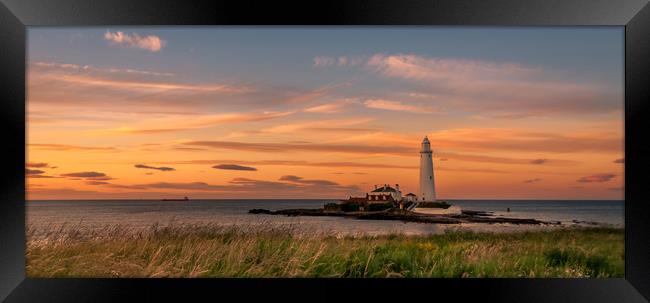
[{"x": 212, "y": 251}]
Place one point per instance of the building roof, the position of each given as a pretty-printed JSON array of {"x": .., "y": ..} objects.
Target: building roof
[
  {"x": 410, "y": 194},
  {"x": 384, "y": 189}
]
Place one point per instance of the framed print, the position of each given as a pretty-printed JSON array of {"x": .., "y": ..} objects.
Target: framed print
[{"x": 470, "y": 149}]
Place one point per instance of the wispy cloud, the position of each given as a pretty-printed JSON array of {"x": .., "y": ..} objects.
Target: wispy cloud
[
  {"x": 90, "y": 68},
  {"x": 89, "y": 175},
  {"x": 300, "y": 163},
  {"x": 598, "y": 178},
  {"x": 54, "y": 88},
  {"x": 33, "y": 171},
  {"x": 162, "y": 168},
  {"x": 396, "y": 150},
  {"x": 324, "y": 61},
  {"x": 234, "y": 167},
  {"x": 335, "y": 125},
  {"x": 496, "y": 159},
  {"x": 620, "y": 161},
  {"x": 329, "y": 108},
  {"x": 37, "y": 173},
  {"x": 181, "y": 124},
  {"x": 501, "y": 90},
  {"x": 151, "y": 43},
  {"x": 144, "y": 86},
  {"x": 301, "y": 180},
  {"x": 397, "y": 106},
  {"x": 288, "y": 147},
  {"x": 536, "y": 180},
  {"x": 37, "y": 165},
  {"x": 539, "y": 161},
  {"x": 39, "y": 176},
  {"x": 510, "y": 139},
  {"x": 416, "y": 67},
  {"x": 65, "y": 147},
  {"x": 286, "y": 186}
]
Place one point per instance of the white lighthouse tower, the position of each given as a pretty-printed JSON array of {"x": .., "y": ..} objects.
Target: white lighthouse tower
[{"x": 427, "y": 182}]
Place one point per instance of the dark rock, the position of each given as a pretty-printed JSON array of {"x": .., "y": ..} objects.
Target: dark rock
[
  {"x": 467, "y": 216},
  {"x": 476, "y": 213},
  {"x": 260, "y": 211}
]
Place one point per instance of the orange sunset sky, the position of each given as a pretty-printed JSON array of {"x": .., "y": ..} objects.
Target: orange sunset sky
[{"x": 150, "y": 113}]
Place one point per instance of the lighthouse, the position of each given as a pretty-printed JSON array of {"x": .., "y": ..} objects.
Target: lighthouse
[{"x": 427, "y": 182}]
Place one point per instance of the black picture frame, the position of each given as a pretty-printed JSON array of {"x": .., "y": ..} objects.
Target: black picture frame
[{"x": 16, "y": 15}]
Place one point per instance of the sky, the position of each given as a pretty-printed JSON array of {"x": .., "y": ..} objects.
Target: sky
[{"x": 324, "y": 112}]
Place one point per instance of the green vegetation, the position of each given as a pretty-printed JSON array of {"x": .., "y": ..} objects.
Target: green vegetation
[
  {"x": 332, "y": 207},
  {"x": 350, "y": 207},
  {"x": 210, "y": 251},
  {"x": 379, "y": 206}
]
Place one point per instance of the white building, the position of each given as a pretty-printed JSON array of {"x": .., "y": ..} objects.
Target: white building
[
  {"x": 410, "y": 197},
  {"x": 385, "y": 193},
  {"x": 427, "y": 191}
]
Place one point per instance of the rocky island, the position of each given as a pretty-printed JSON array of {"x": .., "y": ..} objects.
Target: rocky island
[{"x": 466, "y": 216}]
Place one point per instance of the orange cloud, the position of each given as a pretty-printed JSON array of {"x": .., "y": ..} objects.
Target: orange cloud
[
  {"x": 287, "y": 186},
  {"x": 288, "y": 147},
  {"x": 87, "y": 80},
  {"x": 397, "y": 106},
  {"x": 530, "y": 181},
  {"x": 156, "y": 168},
  {"x": 539, "y": 161},
  {"x": 65, "y": 147},
  {"x": 298, "y": 163},
  {"x": 33, "y": 172},
  {"x": 504, "y": 139},
  {"x": 90, "y": 68},
  {"x": 495, "y": 159},
  {"x": 496, "y": 90},
  {"x": 396, "y": 150},
  {"x": 88, "y": 175},
  {"x": 329, "y": 108},
  {"x": 204, "y": 121},
  {"x": 598, "y": 178},
  {"x": 322, "y": 125},
  {"x": 36, "y": 165},
  {"x": 234, "y": 167}
]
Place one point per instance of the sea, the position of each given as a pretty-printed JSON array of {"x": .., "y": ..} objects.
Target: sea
[{"x": 48, "y": 215}]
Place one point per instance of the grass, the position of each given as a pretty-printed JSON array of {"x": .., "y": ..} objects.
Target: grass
[{"x": 211, "y": 251}]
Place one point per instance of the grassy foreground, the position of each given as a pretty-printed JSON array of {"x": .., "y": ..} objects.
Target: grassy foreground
[{"x": 208, "y": 251}]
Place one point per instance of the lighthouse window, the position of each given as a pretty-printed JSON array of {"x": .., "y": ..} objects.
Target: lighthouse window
[{"x": 430, "y": 177}]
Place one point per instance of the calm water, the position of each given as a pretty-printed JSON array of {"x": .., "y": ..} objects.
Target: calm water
[{"x": 138, "y": 214}]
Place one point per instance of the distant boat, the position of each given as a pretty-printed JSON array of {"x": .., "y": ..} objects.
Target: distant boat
[{"x": 184, "y": 199}]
